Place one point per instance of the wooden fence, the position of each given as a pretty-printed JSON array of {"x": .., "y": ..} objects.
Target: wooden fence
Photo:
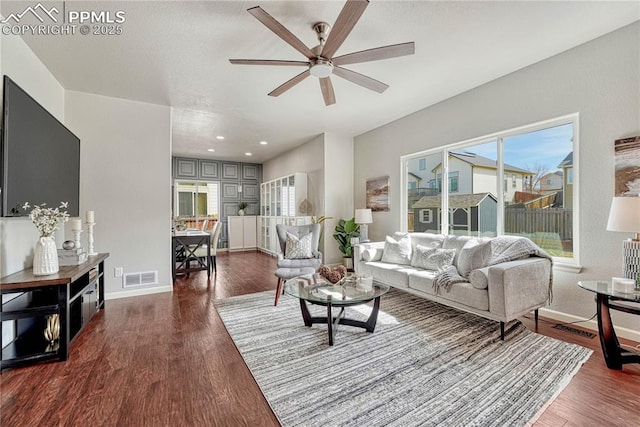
[{"x": 553, "y": 220}]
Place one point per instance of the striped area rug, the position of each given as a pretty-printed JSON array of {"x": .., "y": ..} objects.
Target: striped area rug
[{"x": 425, "y": 364}]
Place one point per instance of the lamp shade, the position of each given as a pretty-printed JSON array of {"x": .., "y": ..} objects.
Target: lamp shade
[
  {"x": 363, "y": 216},
  {"x": 624, "y": 214}
]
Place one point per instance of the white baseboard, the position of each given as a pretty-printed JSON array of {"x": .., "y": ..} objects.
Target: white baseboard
[
  {"x": 627, "y": 333},
  {"x": 138, "y": 292}
]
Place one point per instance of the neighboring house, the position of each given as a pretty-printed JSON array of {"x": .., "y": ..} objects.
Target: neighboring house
[
  {"x": 551, "y": 182},
  {"x": 472, "y": 214},
  {"x": 567, "y": 183},
  {"x": 470, "y": 173},
  {"x": 413, "y": 181}
]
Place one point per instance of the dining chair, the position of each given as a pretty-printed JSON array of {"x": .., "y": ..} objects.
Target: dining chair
[{"x": 201, "y": 252}]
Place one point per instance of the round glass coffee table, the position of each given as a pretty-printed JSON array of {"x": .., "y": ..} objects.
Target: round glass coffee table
[
  {"x": 608, "y": 299},
  {"x": 349, "y": 293}
]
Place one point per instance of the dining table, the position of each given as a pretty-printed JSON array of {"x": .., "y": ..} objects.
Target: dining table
[{"x": 183, "y": 252}]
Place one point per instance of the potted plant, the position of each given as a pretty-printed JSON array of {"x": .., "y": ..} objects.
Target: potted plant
[
  {"x": 241, "y": 207},
  {"x": 343, "y": 233}
]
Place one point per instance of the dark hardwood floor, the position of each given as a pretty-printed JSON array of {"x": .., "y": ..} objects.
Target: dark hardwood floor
[{"x": 167, "y": 360}]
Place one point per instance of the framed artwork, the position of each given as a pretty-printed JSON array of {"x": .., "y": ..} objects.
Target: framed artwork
[
  {"x": 627, "y": 179},
  {"x": 378, "y": 194}
]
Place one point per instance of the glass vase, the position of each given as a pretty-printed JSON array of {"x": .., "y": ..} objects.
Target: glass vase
[{"x": 45, "y": 257}]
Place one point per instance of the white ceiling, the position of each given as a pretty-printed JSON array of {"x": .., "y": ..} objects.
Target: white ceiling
[{"x": 176, "y": 53}]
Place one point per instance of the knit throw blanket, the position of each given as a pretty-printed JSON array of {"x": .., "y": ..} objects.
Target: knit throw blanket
[{"x": 503, "y": 249}]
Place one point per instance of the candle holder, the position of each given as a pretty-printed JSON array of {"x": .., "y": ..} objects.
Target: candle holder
[
  {"x": 90, "y": 238},
  {"x": 76, "y": 239}
]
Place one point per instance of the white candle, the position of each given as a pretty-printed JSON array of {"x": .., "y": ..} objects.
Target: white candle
[
  {"x": 76, "y": 224},
  {"x": 90, "y": 216}
]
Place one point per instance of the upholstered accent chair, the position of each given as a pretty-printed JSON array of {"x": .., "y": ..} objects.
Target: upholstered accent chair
[{"x": 291, "y": 267}]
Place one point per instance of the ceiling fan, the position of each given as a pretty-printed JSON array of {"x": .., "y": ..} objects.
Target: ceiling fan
[{"x": 320, "y": 60}]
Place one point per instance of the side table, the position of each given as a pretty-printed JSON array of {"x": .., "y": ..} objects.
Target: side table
[{"x": 614, "y": 355}]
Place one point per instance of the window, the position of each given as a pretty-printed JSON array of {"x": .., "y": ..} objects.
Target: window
[
  {"x": 485, "y": 177},
  {"x": 453, "y": 182},
  {"x": 195, "y": 201},
  {"x": 426, "y": 216},
  {"x": 423, "y": 164}
]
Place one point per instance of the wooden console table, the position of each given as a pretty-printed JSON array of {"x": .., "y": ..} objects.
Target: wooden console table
[{"x": 75, "y": 293}]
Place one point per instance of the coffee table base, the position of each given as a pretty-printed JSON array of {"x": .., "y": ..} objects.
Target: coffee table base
[{"x": 369, "y": 325}]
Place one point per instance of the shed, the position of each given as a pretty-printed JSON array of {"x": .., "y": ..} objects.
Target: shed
[{"x": 472, "y": 214}]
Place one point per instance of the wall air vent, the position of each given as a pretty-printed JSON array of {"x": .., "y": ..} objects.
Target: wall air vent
[{"x": 140, "y": 279}]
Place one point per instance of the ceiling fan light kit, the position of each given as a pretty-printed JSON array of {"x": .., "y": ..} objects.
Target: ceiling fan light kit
[{"x": 321, "y": 62}]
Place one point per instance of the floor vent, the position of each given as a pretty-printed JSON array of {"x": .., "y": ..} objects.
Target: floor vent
[
  {"x": 140, "y": 279},
  {"x": 575, "y": 331}
]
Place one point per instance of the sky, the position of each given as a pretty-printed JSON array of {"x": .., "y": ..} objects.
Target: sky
[{"x": 545, "y": 147}]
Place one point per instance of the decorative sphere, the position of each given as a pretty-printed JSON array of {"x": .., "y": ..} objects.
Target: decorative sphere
[{"x": 68, "y": 244}]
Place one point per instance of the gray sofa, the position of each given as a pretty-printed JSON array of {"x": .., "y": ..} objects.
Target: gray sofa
[{"x": 501, "y": 279}]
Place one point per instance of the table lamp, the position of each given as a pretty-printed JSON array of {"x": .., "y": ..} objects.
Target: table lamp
[
  {"x": 363, "y": 218},
  {"x": 625, "y": 216}
]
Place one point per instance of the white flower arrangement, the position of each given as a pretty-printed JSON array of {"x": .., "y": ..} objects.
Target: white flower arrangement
[{"x": 47, "y": 219}]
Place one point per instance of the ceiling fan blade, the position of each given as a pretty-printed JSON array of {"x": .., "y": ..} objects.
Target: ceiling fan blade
[
  {"x": 286, "y": 35},
  {"x": 376, "y": 54},
  {"x": 327, "y": 91},
  {"x": 349, "y": 16},
  {"x": 360, "y": 79},
  {"x": 289, "y": 84},
  {"x": 267, "y": 62}
]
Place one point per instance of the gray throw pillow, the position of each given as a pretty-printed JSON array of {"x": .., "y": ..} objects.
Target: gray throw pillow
[
  {"x": 473, "y": 255},
  {"x": 434, "y": 259},
  {"x": 297, "y": 248},
  {"x": 479, "y": 279},
  {"x": 397, "y": 251}
]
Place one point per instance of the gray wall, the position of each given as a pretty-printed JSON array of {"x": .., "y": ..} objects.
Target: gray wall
[
  {"x": 230, "y": 175},
  {"x": 599, "y": 80}
]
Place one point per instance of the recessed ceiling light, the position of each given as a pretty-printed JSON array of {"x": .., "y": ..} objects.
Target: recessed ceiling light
[
  {"x": 211, "y": 149},
  {"x": 247, "y": 154},
  {"x": 263, "y": 142},
  {"x": 219, "y": 137}
]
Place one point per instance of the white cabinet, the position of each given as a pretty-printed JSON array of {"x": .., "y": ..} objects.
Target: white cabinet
[
  {"x": 242, "y": 232},
  {"x": 280, "y": 201}
]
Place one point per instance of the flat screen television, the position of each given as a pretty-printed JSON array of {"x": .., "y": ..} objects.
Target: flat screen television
[{"x": 40, "y": 157}]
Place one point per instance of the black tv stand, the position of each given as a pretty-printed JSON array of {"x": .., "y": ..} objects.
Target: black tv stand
[{"x": 75, "y": 293}]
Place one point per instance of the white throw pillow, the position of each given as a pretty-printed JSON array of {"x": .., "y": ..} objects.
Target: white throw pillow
[
  {"x": 473, "y": 255},
  {"x": 372, "y": 254},
  {"x": 397, "y": 251},
  {"x": 434, "y": 259},
  {"x": 298, "y": 247}
]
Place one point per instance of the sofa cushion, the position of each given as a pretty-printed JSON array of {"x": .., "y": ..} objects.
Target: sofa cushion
[
  {"x": 422, "y": 280},
  {"x": 397, "y": 251},
  {"x": 372, "y": 254},
  {"x": 465, "y": 293},
  {"x": 457, "y": 243},
  {"x": 396, "y": 275},
  {"x": 479, "y": 278},
  {"x": 430, "y": 258},
  {"x": 474, "y": 255},
  {"x": 426, "y": 239}
]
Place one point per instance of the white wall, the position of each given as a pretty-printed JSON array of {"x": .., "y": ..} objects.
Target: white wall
[
  {"x": 125, "y": 177},
  {"x": 599, "y": 80},
  {"x": 338, "y": 184},
  {"x": 328, "y": 162},
  {"x": 307, "y": 158},
  {"x": 18, "y": 235}
]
